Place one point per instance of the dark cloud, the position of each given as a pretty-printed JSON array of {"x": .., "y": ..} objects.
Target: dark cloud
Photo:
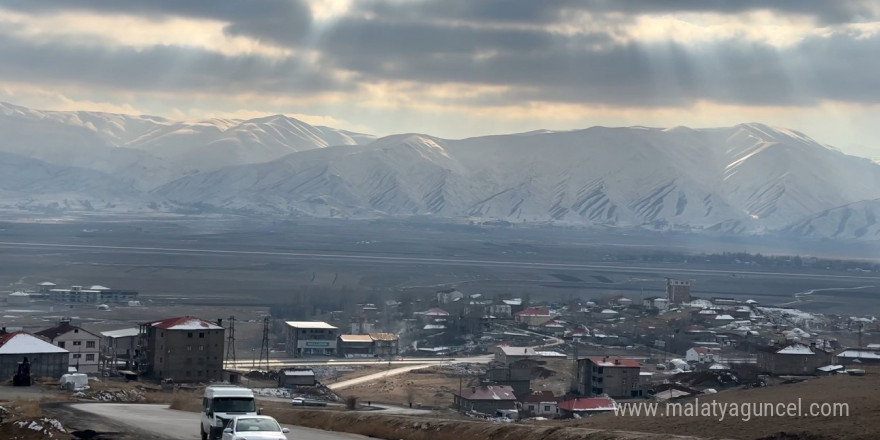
[
  {"x": 544, "y": 67},
  {"x": 544, "y": 11},
  {"x": 159, "y": 68},
  {"x": 285, "y": 22}
]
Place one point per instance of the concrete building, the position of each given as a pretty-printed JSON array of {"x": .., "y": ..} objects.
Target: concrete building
[
  {"x": 517, "y": 375},
  {"x": 533, "y": 316},
  {"x": 794, "y": 358},
  {"x": 119, "y": 347},
  {"x": 678, "y": 291},
  {"x": 92, "y": 295},
  {"x": 184, "y": 349},
  {"x": 614, "y": 377},
  {"x": 355, "y": 346},
  {"x": 541, "y": 404},
  {"x": 84, "y": 346},
  {"x": 385, "y": 345},
  {"x": 485, "y": 399},
  {"x": 311, "y": 338},
  {"x": 855, "y": 356},
  {"x": 508, "y": 355},
  {"x": 46, "y": 359}
]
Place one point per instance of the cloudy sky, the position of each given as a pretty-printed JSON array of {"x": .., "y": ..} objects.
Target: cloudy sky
[{"x": 457, "y": 68}]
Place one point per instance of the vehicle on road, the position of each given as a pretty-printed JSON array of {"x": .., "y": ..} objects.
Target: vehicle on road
[
  {"x": 301, "y": 401},
  {"x": 254, "y": 428},
  {"x": 221, "y": 404}
]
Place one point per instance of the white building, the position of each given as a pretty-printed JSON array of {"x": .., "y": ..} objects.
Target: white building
[
  {"x": 311, "y": 338},
  {"x": 84, "y": 346},
  {"x": 700, "y": 355}
]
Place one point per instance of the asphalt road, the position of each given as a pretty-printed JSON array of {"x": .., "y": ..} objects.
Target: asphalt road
[{"x": 159, "y": 422}]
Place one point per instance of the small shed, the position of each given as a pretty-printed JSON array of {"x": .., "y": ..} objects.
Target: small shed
[
  {"x": 585, "y": 406},
  {"x": 486, "y": 399},
  {"x": 297, "y": 378}
]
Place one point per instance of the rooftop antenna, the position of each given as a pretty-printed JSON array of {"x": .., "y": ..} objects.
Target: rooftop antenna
[{"x": 264, "y": 346}]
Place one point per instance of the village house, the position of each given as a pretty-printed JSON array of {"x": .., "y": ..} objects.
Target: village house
[
  {"x": 794, "y": 358},
  {"x": 385, "y": 345},
  {"x": 311, "y": 338},
  {"x": 856, "y": 356},
  {"x": 84, "y": 346},
  {"x": 352, "y": 346},
  {"x": 517, "y": 375},
  {"x": 485, "y": 399},
  {"x": 507, "y": 355},
  {"x": 539, "y": 404},
  {"x": 585, "y": 406},
  {"x": 46, "y": 359},
  {"x": 183, "y": 349},
  {"x": 611, "y": 376},
  {"x": 700, "y": 355},
  {"x": 533, "y": 316}
]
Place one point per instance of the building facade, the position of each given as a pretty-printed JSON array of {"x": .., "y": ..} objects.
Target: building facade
[
  {"x": 184, "y": 349},
  {"x": 485, "y": 399},
  {"x": 84, "y": 346},
  {"x": 614, "y": 377},
  {"x": 793, "y": 359},
  {"x": 678, "y": 291},
  {"x": 311, "y": 338}
]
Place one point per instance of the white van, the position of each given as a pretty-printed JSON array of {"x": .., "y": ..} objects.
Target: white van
[{"x": 221, "y": 404}]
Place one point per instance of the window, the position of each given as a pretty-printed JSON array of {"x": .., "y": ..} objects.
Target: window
[
  {"x": 189, "y": 348},
  {"x": 201, "y": 334},
  {"x": 77, "y": 355},
  {"x": 90, "y": 357},
  {"x": 61, "y": 344},
  {"x": 201, "y": 348},
  {"x": 546, "y": 408},
  {"x": 189, "y": 335},
  {"x": 531, "y": 407},
  {"x": 77, "y": 342},
  {"x": 187, "y": 373},
  {"x": 90, "y": 344}
]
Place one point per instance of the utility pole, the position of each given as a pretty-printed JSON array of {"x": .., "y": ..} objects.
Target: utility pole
[
  {"x": 230, "y": 343},
  {"x": 264, "y": 346}
]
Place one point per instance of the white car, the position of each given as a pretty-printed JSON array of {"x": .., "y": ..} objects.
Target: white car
[{"x": 254, "y": 428}]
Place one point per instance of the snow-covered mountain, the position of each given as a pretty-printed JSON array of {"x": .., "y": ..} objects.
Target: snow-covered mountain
[
  {"x": 27, "y": 183},
  {"x": 149, "y": 151},
  {"x": 854, "y": 221},
  {"x": 744, "y": 178}
]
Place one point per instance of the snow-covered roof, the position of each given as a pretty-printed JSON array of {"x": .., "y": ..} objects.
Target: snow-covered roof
[
  {"x": 858, "y": 354},
  {"x": 588, "y": 404},
  {"x": 26, "y": 343},
  {"x": 121, "y": 333},
  {"x": 310, "y": 325},
  {"x": 491, "y": 392},
  {"x": 47, "y": 283},
  {"x": 185, "y": 323},
  {"x": 554, "y": 354},
  {"x": 608, "y": 312},
  {"x": 433, "y": 327},
  {"x": 435, "y": 312},
  {"x": 513, "y": 302},
  {"x": 306, "y": 373},
  {"x": 614, "y": 362},
  {"x": 724, "y": 318},
  {"x": 19, "y": 294},
  {"x": 796, "y": 349},
  {"x": 828, "y": 368},
  {"x": 98, "y": 287}
]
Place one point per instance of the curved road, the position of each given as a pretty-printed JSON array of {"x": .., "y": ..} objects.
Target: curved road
[{"x": 159, "y": 422}]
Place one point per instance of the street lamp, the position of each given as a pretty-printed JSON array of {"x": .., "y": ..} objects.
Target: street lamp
[{"x": 254, "y": 363}]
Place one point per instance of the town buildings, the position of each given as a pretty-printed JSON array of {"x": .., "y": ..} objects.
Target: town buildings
[
  {"x": 84, "y": 346},
  {"x": 485, "y": 399},
  {"x": 311, "y": 338},
  {"x": 795, "y": 358},
  {"x": 184, "y": 349},
  {"x": 678, "y": 291},
  {"x": 609, "y": 376}
]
